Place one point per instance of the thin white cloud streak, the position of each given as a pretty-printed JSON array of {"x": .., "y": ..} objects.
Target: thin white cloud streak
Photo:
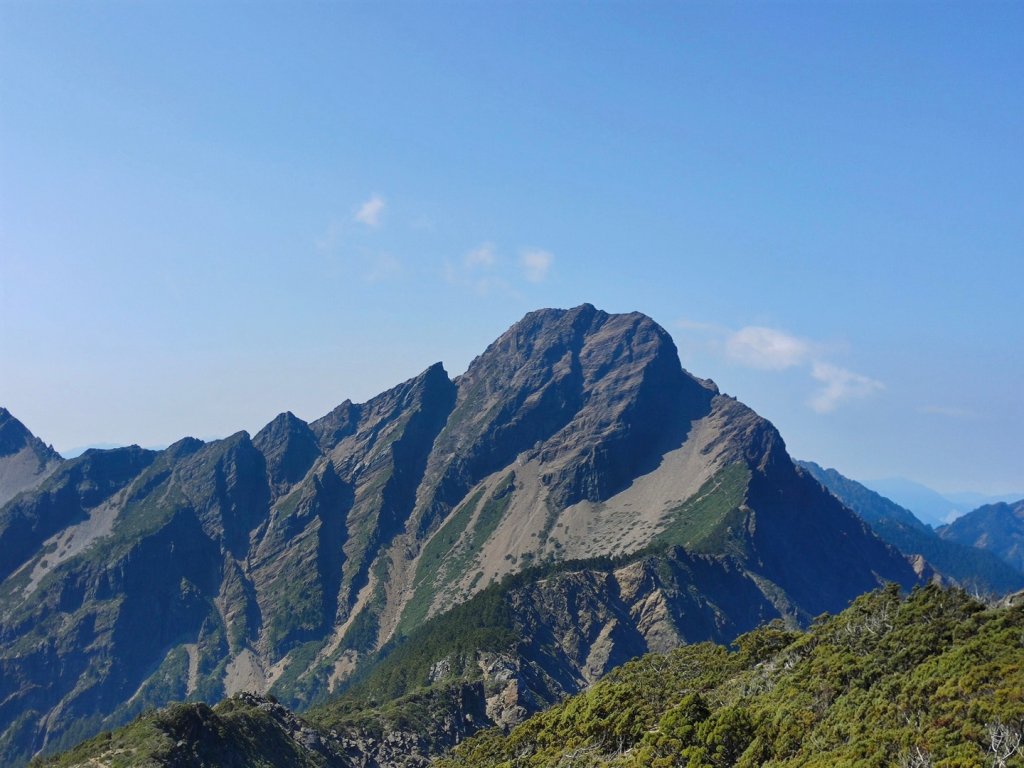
[
  {"x": 840, "y": 385},
  {"x": 370, "y": 212},
  {"x": 767, "y": 348},
  {"x": 484, "y": 271},
  {"x": 536, "y": 264}
]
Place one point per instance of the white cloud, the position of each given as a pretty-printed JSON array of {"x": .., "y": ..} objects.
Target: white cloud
[
  {"x": 478, "y": 270},
  {"x": 484, "y": 256},
  {"x": 840, "y": 385},
  {"x": 535, "y": 264},
  {"x": 767, "y": 348},
  {"x": 369, "y": 213}
]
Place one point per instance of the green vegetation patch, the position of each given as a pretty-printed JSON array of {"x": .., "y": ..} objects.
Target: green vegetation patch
[
  {"x": 483, "y": 623},
  {"x": 701, "y": 523},
  {"x": 432, "y": 563},
  {"x": 935, "y": 679},
  {"x": 234, "y": 734}
]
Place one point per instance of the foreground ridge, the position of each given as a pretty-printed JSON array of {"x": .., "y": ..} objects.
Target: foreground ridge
[
  {"x": 929, "y": 679},
  {"x": 934, "y": 679}
]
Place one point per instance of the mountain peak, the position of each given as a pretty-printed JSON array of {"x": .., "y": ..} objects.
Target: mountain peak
[
  {"x": 289, "y": 446},
  {"x": 575, "y": 435},
  {"x": 25, "y": 460},
  {"x": 14, "y": 436}
]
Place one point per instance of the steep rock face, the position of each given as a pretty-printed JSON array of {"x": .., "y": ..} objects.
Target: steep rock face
[
  {"x": 517, "y": 648},
  {"x": 66, "y": 497},
  {"x": 997, "y": 528},
  {"x": 25, "y": 460},
  {"x": 578, "y": 625},
  {"x": 594, "y": 397},
  {"x": 289, "y": 447},
  {"x": 973, "y": 568},
  {"x": 281, "y": 563}
]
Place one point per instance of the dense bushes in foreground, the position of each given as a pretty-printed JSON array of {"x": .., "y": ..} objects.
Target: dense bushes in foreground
[{"x": 934, "y": 679}]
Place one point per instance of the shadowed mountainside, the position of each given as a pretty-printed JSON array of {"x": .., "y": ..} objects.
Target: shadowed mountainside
[
  {"x": 996, "y": 528},
  {"x": 972, "y": 567}
]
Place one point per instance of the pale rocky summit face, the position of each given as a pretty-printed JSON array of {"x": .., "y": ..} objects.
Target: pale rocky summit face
[{"x": 279, "y": 563}]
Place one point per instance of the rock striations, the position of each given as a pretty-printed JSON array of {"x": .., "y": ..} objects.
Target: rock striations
[{"x": 282, "y": 563}]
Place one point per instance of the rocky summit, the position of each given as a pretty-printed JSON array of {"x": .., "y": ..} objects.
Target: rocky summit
[
  {"x": 600, "y": 499},
  {"x": 25, "y": 460}
]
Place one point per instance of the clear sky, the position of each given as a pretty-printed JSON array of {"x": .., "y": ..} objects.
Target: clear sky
[{"x": 214, "y": 212}]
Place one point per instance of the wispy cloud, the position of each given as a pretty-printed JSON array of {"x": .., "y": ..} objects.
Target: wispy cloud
[
  {"x": 772, "y": 349},
  {"x": 484, "y": 256},
  {"x": 483, "y": 269},
  {"x": 840, "y": 385},
  {"x": 535, "y": 264},
  {"x": 767, "y": 348},
  {"x": 369, "y": 213},
  {"x": 477, "y": 270},
  {"x": 349, "y": 248}
]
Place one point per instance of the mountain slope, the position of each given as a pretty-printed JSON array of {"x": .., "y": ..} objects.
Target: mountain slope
[
  {"x": 283, "y": 562},
  {"x": 996, "y": 528},
  {"x": 972, "y": 568},
  {"x": 25, "y": 460},
  {"x": 931, "y": 680}
]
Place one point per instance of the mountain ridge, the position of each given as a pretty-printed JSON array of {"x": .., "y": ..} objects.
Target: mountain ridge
[
  {"x": 997, "y": 528},
  {"x": 969, "y": 566},
  {"x": 25, "y": 460},
  {"x": 576, "y": 434}
]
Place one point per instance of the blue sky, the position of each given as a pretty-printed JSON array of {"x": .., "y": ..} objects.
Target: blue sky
[{"x": 213, "y": 212}]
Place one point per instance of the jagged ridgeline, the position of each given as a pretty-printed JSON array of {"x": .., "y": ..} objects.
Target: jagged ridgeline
[{"x": 290, "y": 562}]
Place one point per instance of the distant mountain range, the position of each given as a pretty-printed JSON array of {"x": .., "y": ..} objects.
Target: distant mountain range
[
  {"x": 934, "y": 508},
  {"x": 451, "y": 554},
  {"x": 969, "y": 559},
  {"x": 997, "y": 528}
]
